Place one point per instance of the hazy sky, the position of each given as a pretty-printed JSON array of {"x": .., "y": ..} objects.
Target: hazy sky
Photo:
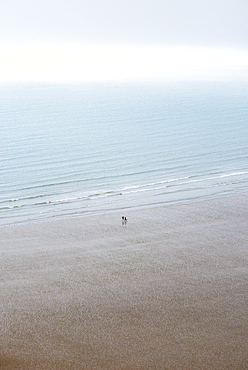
[
  {"x": 159, "y": 22},
  {"x": 212, "y": 24}
]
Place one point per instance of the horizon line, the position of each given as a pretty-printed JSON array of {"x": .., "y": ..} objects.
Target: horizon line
[{"x": 92, "y": 62}]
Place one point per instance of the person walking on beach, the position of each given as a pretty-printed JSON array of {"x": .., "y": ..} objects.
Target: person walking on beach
[{"x": 124, "y": 220}]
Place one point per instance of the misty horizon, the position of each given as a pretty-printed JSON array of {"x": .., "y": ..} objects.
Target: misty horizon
[{"x": 102, "y": 40}]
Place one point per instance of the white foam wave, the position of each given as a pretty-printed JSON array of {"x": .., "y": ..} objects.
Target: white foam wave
[{"x": 173, "y": 183}]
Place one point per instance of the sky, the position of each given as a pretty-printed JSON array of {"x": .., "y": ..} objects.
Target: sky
[{"x": 111, "y": 39}]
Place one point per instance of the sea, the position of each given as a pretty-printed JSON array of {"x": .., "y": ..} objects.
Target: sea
[{"x": 80, "y": 149}]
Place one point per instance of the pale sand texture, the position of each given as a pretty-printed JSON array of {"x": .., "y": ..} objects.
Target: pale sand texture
[{"x": 168, "y": 290}]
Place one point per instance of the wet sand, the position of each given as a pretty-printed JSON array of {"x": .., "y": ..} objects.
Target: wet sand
[{"x": 166, "y": 290}]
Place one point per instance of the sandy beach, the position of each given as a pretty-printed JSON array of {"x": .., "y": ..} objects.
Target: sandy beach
[{"x": 166, "y": 290}]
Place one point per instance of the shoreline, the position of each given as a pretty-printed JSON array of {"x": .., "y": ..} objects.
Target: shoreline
[
  {"x": 165, "y": 290},
  {"x": 99, "y": 213}
]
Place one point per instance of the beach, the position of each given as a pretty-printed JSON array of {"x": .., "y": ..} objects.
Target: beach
[{"x": 165, "y": 290}]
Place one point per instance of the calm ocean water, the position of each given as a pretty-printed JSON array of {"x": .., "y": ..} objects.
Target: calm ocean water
[{"x": 75, "y": 150}]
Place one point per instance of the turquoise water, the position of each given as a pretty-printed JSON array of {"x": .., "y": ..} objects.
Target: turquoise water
[{"x": 74, "y": 150}]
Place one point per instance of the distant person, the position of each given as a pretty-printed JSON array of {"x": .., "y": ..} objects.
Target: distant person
[{"x": 124, "y": 220}]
